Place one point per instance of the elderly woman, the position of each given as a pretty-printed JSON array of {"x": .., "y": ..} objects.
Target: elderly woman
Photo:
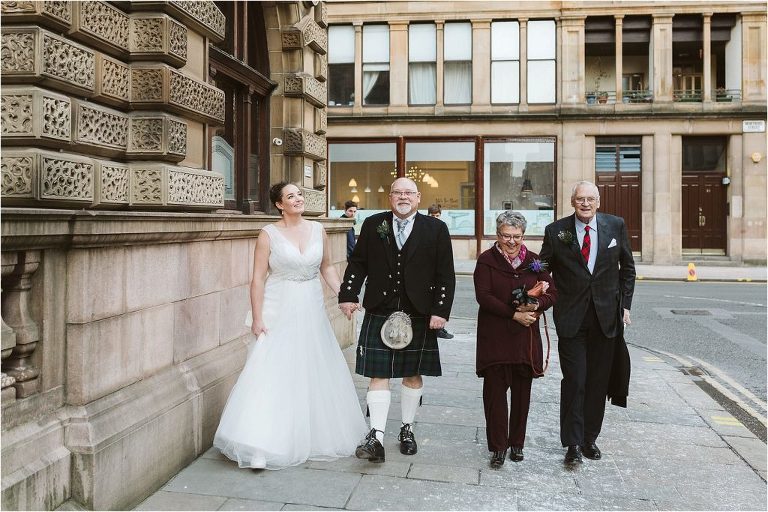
[{"x": 509, "y": 349}]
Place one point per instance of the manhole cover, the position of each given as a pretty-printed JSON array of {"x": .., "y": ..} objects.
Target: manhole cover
[{"x": 691, "y": 312}]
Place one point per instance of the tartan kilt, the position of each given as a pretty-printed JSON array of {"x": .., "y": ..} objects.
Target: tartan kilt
[{"x": 375, "y": 359}]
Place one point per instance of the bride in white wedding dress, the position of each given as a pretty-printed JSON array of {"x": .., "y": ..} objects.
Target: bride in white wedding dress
[{"x": 294, "y": 400}]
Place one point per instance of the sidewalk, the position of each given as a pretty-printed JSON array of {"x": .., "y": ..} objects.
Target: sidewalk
[
  {"x": 673, "y": 448},
  {"x": 704, "y": 272}
]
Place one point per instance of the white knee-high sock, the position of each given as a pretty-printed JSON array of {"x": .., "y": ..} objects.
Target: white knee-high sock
[
  {"x": 378, "y": 409},
  {"x": 409, "y": 402}
]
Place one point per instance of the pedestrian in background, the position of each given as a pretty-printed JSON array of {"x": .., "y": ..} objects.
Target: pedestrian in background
[
  {"x": 509, "y": 348},
  {"x": 436, "y": 211},
  {"x": 591, "y": 262},
  {"x": 350, "y": 212}
]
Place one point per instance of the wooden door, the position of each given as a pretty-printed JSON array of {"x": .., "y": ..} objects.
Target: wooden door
[
  {"x": 704, "y": 212},
  {"x": 618, "y": 176}
]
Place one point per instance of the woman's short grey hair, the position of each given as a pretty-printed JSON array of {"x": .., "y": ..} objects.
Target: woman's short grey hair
[{"x": 511, "y": 218}]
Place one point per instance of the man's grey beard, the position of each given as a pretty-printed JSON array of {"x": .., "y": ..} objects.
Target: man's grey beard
[{"x": 403, "y": 209}]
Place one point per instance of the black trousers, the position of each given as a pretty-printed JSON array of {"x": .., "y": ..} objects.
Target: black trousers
[
  {"x": 502, "y": 431},
  {"x": 585, "y": 361}
]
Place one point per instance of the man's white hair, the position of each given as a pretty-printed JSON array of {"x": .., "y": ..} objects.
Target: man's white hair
[{"x": 584, "y": 183}]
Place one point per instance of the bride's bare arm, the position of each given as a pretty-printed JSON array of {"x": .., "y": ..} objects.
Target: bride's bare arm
[
  {"x": 260, "y": 267},
  {"x": 327, "y": 269}
]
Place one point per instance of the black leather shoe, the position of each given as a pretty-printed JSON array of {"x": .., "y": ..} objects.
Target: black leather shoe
[
  {"x": 516, "y": 454},
  {"x": 370, "y": 449},
  {"x": 573, "y": 455},
  {"x": 407, "y": 441},
  {"x": 442, "y": 333},
  {"x": 497, "y": 459},
  {"x": 591, "y": 451}
]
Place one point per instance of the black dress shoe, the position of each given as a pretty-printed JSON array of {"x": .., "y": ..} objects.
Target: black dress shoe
[
  {"x": 370, "y": 449},
  {"x": 442, "y": 333},
  {"x": 516, "y": 454},
  {"x": 407, "y": 441},
  {"x": 591, "y": 451},
  {"x": 573, "y": 455},
  {"x": 497, "y": 459}
]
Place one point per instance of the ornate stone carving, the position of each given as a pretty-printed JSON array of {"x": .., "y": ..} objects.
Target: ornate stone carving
[
  {"x": 146, "y": 186},
  {"x": 114, "y": 181},
  {"x": 321, "y": 15},
  {"x": 205, "y": 14},
  {"x": 321, "y": 175},
  {"x": 112, "y": 81},
  {"x": 146, "y": 85},
  {"x": 177, "y": 137},
  {"x": 101, "y": 127},
  {"x": 18, "y": 52},
  {"x": 321, "y": 121},
  {"x": 177, "y": 40},
  {"x": 147, "y": 35},
  {"x": 292, "y": 40},
  {"x": 65, "y": 178},
  {"x": 195, "y": 188},
  {"x": 305, "y": 33},
  {"x": 105, "y": 23},
  {"x": 302, "y": 142},
  {"x": 307, "y": 87},
  {"x": 61, "y": 9},
  {"x": 57, "y": 118},
  {"x": 16, "y": 113},
  {"x": 16, "y": 175},
  {"x": 314, "y": 200},
  {"x": 54, "y": 13},
  {"x": 196, "y": 97},
  {"x": 73, "y": 64},
  {"x": 321, "y": 67},
  {"x": 146, "y": 135},
  {"x": 9, "y": 7}
]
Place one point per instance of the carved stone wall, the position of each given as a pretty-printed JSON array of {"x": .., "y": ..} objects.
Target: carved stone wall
[
  {"x": 305, "y": 86},
  {"x": 302, "y": 142}
]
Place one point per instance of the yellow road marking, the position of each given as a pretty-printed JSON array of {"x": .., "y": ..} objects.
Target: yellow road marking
[
  {"x": 652, "y": 359},
  {"x": 726, "y": 420}
]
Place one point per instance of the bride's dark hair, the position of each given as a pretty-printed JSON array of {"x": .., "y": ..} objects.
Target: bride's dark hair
[{"x": 276, "y": 193}]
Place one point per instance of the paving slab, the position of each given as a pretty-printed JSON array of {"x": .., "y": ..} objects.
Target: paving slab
[
  {"x": 240, "y": 504},
  {"x": 164, "y": 500}
]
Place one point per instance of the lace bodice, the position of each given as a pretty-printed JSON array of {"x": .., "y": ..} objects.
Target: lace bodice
[{"x": 285, "y": 260}]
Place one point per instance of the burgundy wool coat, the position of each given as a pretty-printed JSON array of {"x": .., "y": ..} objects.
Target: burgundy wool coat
[{"x": 500, "y": 339}]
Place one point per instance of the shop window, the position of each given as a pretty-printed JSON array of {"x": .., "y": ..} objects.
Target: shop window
[
  {"x": 422, "y": 64},
  {"x": 445, "y": 175},
  {"x": 505, "y": 62},
  {"x": 520, "y": 175},
  {"x": 457, "y": 66},
  {"x": 541, "y": 61},
  {"x": 375, "y": 65},
  {"x": 341, "y": 65},
  {"x": 361, "y": 172},
  {"x": 704, "y": 154}
]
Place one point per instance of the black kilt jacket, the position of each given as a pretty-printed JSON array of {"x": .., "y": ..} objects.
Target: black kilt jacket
[
  {"x": 424, "y": 270},
  {"x": 610, "y": 286}
]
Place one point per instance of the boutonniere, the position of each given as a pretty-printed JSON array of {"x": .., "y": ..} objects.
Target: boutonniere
[
  {"x": 537, "y": 266},
  {"x": 566, "y": 237},
  {"x": 383, "y": 230}
]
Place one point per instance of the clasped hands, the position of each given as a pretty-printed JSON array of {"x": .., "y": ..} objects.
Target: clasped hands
[{"x": 348, "y": 308}]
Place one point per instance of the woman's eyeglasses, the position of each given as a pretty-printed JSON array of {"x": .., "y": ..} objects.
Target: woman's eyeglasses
[{"x": 507, "y": 238}]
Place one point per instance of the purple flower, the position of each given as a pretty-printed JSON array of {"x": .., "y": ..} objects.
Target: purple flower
[{"x": 537, "y": 266}]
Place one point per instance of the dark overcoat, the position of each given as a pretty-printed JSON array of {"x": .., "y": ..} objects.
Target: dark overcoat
[{"x": 500, "y": 339}]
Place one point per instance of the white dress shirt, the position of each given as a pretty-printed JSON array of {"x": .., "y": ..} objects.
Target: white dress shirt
[{"x": 592, "y": 240}]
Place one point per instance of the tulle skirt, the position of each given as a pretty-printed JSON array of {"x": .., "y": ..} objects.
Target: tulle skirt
[{"x": 294, "y": 400}]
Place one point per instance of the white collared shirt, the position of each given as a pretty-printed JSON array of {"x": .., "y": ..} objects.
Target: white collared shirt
[
  {"x": 592, "y": 240},
  {"x": 408, "y": 227}
]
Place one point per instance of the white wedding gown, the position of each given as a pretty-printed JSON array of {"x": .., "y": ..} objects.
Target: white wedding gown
[{"x": 294, "y": 400}]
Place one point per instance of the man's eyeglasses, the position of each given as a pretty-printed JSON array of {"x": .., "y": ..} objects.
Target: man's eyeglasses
[
  {"x": 507, "y": 238},
  {"x": 409, "y": 193},
  {"x": 585, "y": 200}
]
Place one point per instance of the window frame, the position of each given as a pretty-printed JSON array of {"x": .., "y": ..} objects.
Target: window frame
[
  {"x": 492, "y": 102},
  {"x": 471, "y": 63}
]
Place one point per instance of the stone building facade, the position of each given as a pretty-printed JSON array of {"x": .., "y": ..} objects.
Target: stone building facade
[
  {"x": 497, "y": 105},
  {"x": 139, "y": 140}
]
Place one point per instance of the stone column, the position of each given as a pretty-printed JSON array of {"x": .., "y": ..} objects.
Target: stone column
[
  {"x": 662, "y": 57},
  {"x": 523, "y": 64},
  {"x": 440, "y": 64},
  {"x": 481, "y": 65},
  {"x": 619, "y": 56},
  {"x": 15, "y": 310},
  {"x": 753, "y": 69},
  {"x": 398, "y": 66},
  {"x": 707, "y": 50},
  {"x": 663, "y": 223},
  {"x": 8, "y": 336},
  {"x": 573, "y": 66},
  {"x": 357, "y": 105}
]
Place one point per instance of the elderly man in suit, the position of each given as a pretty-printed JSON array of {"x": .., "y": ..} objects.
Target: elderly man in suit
[
  {"x": 408, "y": 262},
  {"x": 591, "y": 262}
]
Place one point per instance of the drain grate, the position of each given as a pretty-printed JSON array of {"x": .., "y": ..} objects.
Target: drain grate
[{"x": 691, "y": 312}]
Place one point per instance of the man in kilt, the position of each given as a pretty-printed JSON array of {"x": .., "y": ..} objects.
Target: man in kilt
[{"x": 406, "y": 262}]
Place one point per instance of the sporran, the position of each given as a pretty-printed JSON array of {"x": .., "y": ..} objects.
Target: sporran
[{"x": 397, "y": 331}]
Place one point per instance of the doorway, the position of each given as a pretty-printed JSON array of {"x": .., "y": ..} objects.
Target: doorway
[
  {"x": 705, "y": 207},
  {"x": 618, "y": 177}
]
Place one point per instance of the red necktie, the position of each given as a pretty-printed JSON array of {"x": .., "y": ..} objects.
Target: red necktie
[{"x": 586, "y": 245}]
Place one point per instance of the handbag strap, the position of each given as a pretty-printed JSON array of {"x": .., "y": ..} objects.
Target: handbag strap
[{"x": 549, "y": 344}]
